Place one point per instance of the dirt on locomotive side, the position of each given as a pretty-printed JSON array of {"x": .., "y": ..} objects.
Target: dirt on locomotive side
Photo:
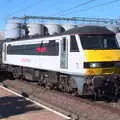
[{"x": 70, "y": 105}]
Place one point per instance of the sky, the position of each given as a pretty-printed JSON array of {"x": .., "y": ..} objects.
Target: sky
[{"x": 59, "y": 8}]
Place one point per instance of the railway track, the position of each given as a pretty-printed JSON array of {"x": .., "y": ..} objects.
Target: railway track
[{"x": 78, "y": 108}]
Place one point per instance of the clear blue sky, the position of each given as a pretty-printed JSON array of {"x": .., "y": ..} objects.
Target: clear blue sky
[{"x": 59, "y": 8}]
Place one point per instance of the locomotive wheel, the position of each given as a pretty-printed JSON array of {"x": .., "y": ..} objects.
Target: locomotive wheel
[
  {"x": 66, "y": 85},
  {"x": 116, "y": 91},
  {"x": 97, "y": 94},
  {"x": 16, "y": 75},
  {"x": 41, "y": 81},
  {"x": 21, "y": 77}
]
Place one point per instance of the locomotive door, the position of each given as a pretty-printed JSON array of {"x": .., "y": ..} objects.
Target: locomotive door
[
  {"x": 4, "y": 52},
  {"x": 64, "y": 53}
]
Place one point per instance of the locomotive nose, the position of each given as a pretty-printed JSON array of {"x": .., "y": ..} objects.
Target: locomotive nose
[
  {"x": 99, "y": 62},
  {"x": 101, "y": 55}
]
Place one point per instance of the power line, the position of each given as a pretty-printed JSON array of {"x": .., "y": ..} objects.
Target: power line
[
  {"x": 97, "y": 20},
  {"x": 103, "y": 4},
  {"x": 76, "y": 6},
  {"x": 25, "y": 8},
  {"x": 28, "y": 7},
  {"x": 95, "y": 6}
]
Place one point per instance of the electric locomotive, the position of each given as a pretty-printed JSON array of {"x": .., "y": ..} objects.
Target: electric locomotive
[{"x": 84, "y": 60}]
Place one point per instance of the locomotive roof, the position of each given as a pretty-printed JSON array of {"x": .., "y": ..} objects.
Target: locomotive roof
[
  {"x": 84, "y": 30},
  {"x": 89, "y": 30}
]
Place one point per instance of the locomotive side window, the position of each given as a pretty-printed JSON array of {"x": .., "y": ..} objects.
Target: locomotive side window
[
  {"x": 64, "y": 44},
  {"x": 49, "y": 49},
  {"x": 53, "y": 47},
  {"x": 73, "y": 44}
]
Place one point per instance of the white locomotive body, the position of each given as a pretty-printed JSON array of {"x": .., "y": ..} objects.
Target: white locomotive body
[
  {"x": 52, "y": 53},
  {"x": 78, "y": 60}
]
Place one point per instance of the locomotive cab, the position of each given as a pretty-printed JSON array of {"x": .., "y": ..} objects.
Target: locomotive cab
[
  {"x": 101, "y": 54},
  {"x": 94, "y": 60},
  {"x": 101, "y": 63}
]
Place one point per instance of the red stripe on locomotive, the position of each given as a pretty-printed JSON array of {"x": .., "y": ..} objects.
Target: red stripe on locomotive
[{"x": 43, "y": 49}]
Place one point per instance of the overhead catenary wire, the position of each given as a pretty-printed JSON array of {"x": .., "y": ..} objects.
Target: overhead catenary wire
[
  {"x": 95, "y": 6},
  {"x": 26, "y": 8},
  {"x": 82, "y": 4},
  {"x": 67, "y": 10},
  {"x": 76, "y": 6},
  {"x": 75, "y": 19},
  {"x": 103, "y": 4}
]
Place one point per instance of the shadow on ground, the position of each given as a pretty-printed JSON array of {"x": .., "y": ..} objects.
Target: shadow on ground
[
  {"x": 13, "y": 105},
  {"x": 105, "y": 98},
  {"x": 5, "y": 75}
]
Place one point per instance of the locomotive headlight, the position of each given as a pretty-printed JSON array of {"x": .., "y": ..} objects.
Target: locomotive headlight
[{"x": 94, "y": 65}]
